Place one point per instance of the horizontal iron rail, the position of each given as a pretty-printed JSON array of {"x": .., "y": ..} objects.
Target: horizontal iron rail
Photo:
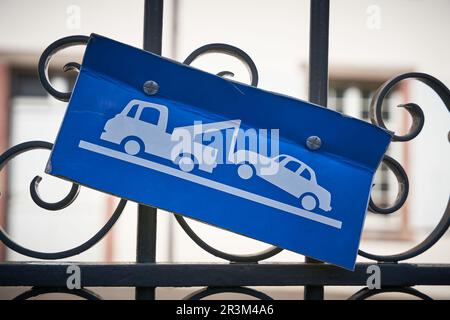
[{"x": 220, "y": 275}]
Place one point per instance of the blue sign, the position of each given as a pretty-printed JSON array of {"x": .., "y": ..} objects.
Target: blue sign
[{"x": 273, "y": 168}]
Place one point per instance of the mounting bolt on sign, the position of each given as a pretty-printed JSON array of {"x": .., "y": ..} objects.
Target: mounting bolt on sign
[
  {"x": 151, "y": 87},
  {"x": 313, "y": 143},
  {"x": 219, "y": 151}
]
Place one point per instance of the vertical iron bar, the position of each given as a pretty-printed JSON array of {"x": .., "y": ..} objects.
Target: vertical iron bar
[
  {"x": 146, "y": 225},
  {"x": 318, "y": 84},
  {"x": 318, "y": 51}
]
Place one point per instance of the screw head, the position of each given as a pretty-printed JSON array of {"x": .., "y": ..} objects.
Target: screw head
[
  {"x": 313, "y": 142},
  {"x": 150, "y": 87}
]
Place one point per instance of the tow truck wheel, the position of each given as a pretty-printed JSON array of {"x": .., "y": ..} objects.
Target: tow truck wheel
[
  {"x": 186, "y": 164},
  {"x": 132, "y": 147},
  {"x": 308, "y": 202},
  {"x": 245, "y": 171}
]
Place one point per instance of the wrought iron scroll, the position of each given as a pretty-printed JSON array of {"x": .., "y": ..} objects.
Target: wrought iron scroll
[
  {"x": 14, "y": 151},
  {"x": 418, "y": 120},
  {"x": 245, "y": 59}
]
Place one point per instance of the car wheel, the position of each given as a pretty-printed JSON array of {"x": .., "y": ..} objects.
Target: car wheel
[
  {"x": 308, "y": 202},
  {"x": 245, "y": 171},
  {"x": 186, "y": 164},
  {"x": 132, "y": 147}
]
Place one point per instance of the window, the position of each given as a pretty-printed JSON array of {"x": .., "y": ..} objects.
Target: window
[
  {"x": 150, "y": 115},
  {"x": 352, "y": 96},
  {"x": 132, "y": 111},
  {"x": 280, "y": 158},
  {"x": 25, "y": 82},
  {"x": 292, "y": 165},
  {"x": 339, "y": 99},
  {"x": 306, "y": 174},
  {"x": 365, "y": 103}
]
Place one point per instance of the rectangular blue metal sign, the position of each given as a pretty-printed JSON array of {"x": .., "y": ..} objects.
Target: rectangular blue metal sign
[{"x": 271, "y": 167}]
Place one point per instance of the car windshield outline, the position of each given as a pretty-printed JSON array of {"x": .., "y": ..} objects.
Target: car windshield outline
[
  {"x": 140, "y": 106},
  {"x": 285, "y": 159}
]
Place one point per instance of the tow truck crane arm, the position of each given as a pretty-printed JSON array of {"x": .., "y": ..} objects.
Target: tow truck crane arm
[{"x": 197, "y": 129}]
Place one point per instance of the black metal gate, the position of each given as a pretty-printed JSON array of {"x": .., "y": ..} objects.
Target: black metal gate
[{"x": 241, "y": 271}]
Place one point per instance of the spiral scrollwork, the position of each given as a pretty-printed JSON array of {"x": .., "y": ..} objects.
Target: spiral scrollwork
[
  {"x": 403, "y": 187},
  {"x": 32, "y": 145},
  {"x": 416, "y": 113},
  {"x": 38, "y": 291},
  {"x": 43, "y": 66},
  {"x": 45, "y": 58},
  {"x": 66, "y": 201},
  {"x": 210, "y": 291},
  {"x": 366, "y": 293},
  {"x": 229, "y": 50},
  {"x": 418, "y": 120},
  {"x": 253, "y": 72}
]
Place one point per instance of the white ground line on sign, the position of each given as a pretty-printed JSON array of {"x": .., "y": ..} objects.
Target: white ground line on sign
[{"x": 210, "y": 183}]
